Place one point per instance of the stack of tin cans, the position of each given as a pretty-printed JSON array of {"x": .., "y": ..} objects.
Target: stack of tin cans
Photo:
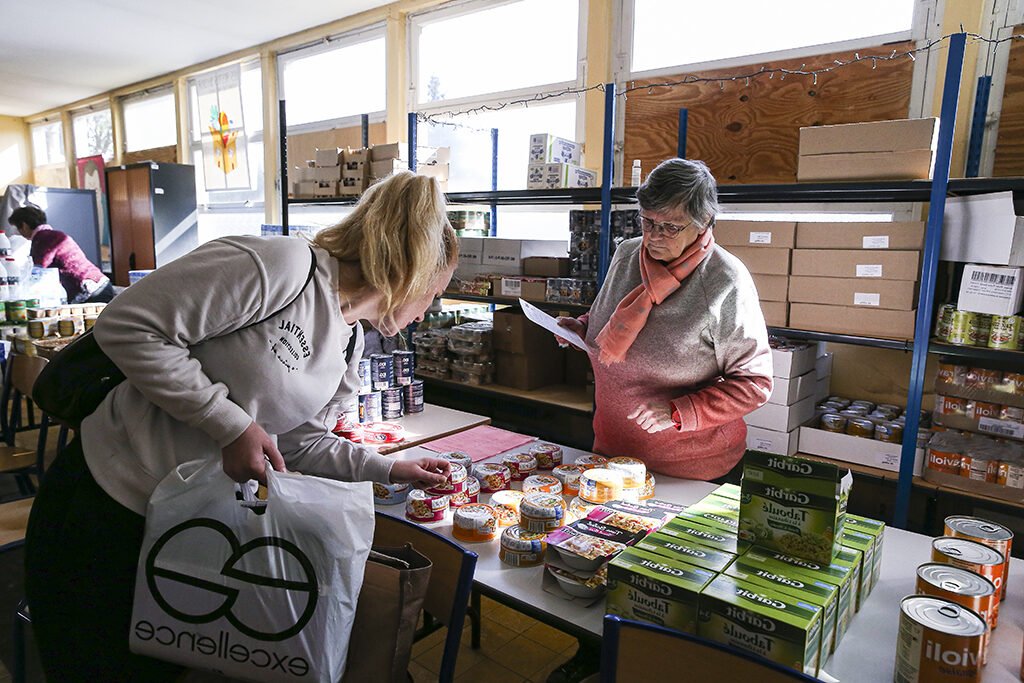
[
  {"x": 965, "y": 328},
  {"x": 388, "y": 388}
]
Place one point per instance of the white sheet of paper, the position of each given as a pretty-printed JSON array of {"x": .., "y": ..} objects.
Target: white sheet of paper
[{"x": 550, "y": 324}]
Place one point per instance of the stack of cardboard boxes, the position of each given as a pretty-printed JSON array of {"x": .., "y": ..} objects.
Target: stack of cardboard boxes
[
  {"x": 856, "y": 278},
  {"x": 556, "y": 163},
  {"x": 394, "y": 156},
  {"x": 346, "y": 172},
  {"x": 764, "y": 247},
  {"x": 498, "y": 266},
  {"x": 527, "y": 356},
  {"x": 881, "y": 150}
]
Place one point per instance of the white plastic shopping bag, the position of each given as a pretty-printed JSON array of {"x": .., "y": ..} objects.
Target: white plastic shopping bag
[{"x": 261, "y": 597}]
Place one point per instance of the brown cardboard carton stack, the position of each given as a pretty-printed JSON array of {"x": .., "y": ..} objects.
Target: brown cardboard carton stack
[
  {"x": 527, "y": 355},
  {"x": 881, "y": 150},
  {"x": 354, "y": 172},
  {"x": 856, "y": 278},
  {"x": 390, "y": 157},
  {"x": 764, "y": 247},
  {"x": 326, "y": 172}
]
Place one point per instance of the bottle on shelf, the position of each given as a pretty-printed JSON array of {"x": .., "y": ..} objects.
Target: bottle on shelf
[
  {"x": 13, "y": 278},
  {"x": 4, "y": 288},
  {"x": 636, "y": 175},
  {"x": 5, "y": 244}
]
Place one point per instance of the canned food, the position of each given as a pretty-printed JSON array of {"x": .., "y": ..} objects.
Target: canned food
[
  {"x": 521, "y": 465},
  {"x": 365, "y": 379},
  {"x": 854, "y": 412},
  {"x": 984, "y": 409},
  {"x": 90, "y": 322},
  {"x": 975, "y": 557},
  {"x": 951, "y": 405},
  {"x": 948, "y": 461},
  {"x": 591, "y": 461},
  {"x": 521, "y": 548},
  {"x": 382, "y": 371},
  {"x": 878, "y": 417},
  {"x": 995, "y": 536},
  {"x": 36, "y": 329},
  {"x": 889, "y": 409},
  {"x": 506, "y": 516},
  {"x": 508, "y": 499},
  {"x": 939, "y": 641},
  {"x": 866, "y": 405},
  {"x": 391, "y": 403},
  {"x": 831, "y": 406},
  {"x": 951, "y": 373},
  {"x": 542, "y": 483},
  {"x": 383, "y": 432},
  {"x": 983, "y": 378},
  {"x": 965, "y": 588},
  {"x": 541, "y": 512},
  {"x": 944, "y": 320},
  {"x": 889, "y": 432},
  {"x": 579, "y": 508},
  {"x": 1014, "y": 382},
  {"x": 370, "y": 407},
  {"x": 455, "y": 482},
  {"x": 404, "y": 366},
  {"x": 458, "y": 457},
  {"x": 960, "y": 327},
  {"x": 1003, "y": 332},
  {"x": 842, "y": 402},
  {"x": 412, "y": 397},
  {"x": 979, "y": 332},
  {"x": 547, "y": 455},
  {"x": 634, "y": 471},
  {"x": 601, "y": 485},
  {"x": 17, "y": 312},
  {"x": 1012, "y": 414},
  {"x": 472, "y": 489},
  {"x": 833, "y": 422},
  {"x": 569, "y": 476},
  {"x": 493, "y": 476},
  {"x": 420, "y": 506},
  {"x": 860, "y": 426},
  {"x": 475, "y": 523}
]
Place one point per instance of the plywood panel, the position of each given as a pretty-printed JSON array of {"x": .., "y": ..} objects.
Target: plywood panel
[
  {"x": 161, "y": 155},
  {"x": 302, "y": 147},
  {"x": 750, "y": 133},
  {"x": 1009, "y": 159}
]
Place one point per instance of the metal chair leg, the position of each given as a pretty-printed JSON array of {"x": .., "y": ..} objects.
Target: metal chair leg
[{"x": 476, "y": 616}]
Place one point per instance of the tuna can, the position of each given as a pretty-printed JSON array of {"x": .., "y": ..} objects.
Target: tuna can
[
  {"x": 975, "y": 557},
  {"x": 412, "y": 397},
  {"x": 365, "y": 381},
  {"x": 944, "y": 321},
  {"x": 455, "y": 483},
  {"x": 90, "y": 322},
  {"x": 382, "y": 371},
  {"x": 521, "y": 548},
  {"x": 1004, "y": 331},
  {"x": 960, "y": 328},
  {"x": 422, "y": 507},
  {"x": 978, "y": 332},
  {"x": 965, "y": 588},
  {"x": 370, "y": 407},
  {"x": 995, "y": 536},
  {"x": 391, "y": 403},
  {"x": 405, "y": 367},
  {"x": 939, "y": 641}
]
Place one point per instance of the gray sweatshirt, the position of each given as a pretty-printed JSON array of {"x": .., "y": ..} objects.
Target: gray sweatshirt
[{"x": 197, "y": 376}]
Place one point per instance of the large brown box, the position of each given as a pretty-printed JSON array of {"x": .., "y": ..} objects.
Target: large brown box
[
  {"x": 514, "y": 333},
  {"x": 899, "y": 295},
  {"x": 872, "y": 136},
  {"x": 888, "y": 235},
  {"x": 858, "y": 320},
  {"x": 915, "y": 164},
  {"x": 858, "y": 263},
  {"x": 526, "y": 288},
  {"x": 772, "y": 234},
  {"x": 577, "y": 368},
  {"x": 529, "y": 371},
  {"x": 771, "y": 287},
  {"x": 775, "y": 313},
  {"x": 543, "y": 266},
  {"x": 763, "y": 261}
]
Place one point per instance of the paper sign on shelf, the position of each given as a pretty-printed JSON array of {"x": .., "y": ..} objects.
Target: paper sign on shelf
[{"x": 541, "y": 318}]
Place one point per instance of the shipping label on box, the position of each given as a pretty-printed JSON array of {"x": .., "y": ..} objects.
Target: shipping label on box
[
  {"x": 835, "y": 291},
  {"x": 983, "y": 229},
  {"x": 906, "y": 235},
  {"x": 991, "y": 289},
  {"x": 849, "y": 263},
  {"x": 770, "y": 441},
  {"x": 778, "y": 234},
  {"x": 763, "y": 261},
  {"x": 545, "y": 148}
]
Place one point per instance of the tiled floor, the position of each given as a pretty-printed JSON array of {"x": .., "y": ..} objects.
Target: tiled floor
[{"x": 513, "y": 649}]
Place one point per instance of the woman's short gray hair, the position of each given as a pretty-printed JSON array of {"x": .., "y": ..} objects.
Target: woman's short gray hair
[{"x": 681, "y": 184}]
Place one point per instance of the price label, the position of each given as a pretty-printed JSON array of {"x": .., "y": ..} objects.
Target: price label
[
  {"x": 867, "y": 299},
  {"x": 1014, "y": 430},
  {"x": 873, "y": 270},
  {"x": 875, "y": 242},
  {"x": 760, "y": 238},
  {"x": 511, "y": 286},
  {"x": 762, "y": 444}
]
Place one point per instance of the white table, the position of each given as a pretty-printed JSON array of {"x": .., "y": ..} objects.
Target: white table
[
  {"x": 868, "y": 650},
  {"x": 433, "y": 423}
]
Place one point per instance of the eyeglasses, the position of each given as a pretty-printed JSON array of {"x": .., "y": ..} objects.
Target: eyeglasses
[{"x": 648, "y": 225}]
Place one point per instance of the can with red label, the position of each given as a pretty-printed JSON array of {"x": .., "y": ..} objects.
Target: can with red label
[
  {"x": 938, "y": 641},
  {"x": 963, "y": 587},
  {"x": 983, "y": 531},
  {"x": 975, "y": 557}
]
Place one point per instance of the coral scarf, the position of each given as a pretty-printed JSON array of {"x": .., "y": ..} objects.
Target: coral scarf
[{"x": 659, "y": 280}]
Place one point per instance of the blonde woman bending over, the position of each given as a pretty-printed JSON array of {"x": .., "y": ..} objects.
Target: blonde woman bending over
[{"x": 240, "y": 347}]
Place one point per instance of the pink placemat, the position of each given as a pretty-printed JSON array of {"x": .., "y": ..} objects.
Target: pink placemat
[{"x": 480, "y": 443}]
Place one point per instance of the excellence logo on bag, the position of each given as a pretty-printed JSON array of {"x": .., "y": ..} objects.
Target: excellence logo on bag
[{"x": 265, "y": 608}]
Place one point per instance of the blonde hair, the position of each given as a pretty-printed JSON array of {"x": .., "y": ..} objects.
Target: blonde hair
[{"x": 399, "y": 234}]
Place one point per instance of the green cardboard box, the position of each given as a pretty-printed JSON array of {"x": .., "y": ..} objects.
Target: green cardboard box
[
  {"x": 704, "y": 535},
  {"x": 875, "y": 528},
  {"x": 655, "y": 589},
  {"x": 690, "y": 552}
]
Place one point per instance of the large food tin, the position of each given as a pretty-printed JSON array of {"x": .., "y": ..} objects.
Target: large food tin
[
  {"x": 995, "y": 536},
  {"x": 975, "y": 557},
  {"x": 963, "y": 587},
  {"x": 939, "y": 641}
]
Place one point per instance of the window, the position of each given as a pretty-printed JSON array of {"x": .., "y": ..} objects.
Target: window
[
  {"x": 94, "y": 133},
  {"x": 344, "y": 77},
  {"x": 48, "y": 143},
  {"x": 150, "y": 121},
  {"x": 462, "y": 52},
  {"x": 668, "y": 34}
]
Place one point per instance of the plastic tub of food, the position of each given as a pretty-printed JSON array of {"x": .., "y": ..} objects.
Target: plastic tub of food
[
  {"x": 634, "y": 471},
  {"x": 548, "y": 455},
  {"x": 542, "y": 512},
  {"x": 470, "y": 493},
  {"x": 579, "y": 508},
  {"x": 600, "y": 485},
  {"x": 521, "y": 548},
  {"x": 422, "y": 507},
  {"x": 542, "y": 483},
  {"x": 509, "y": 499},
  {"x": 576, "y": 586},
  {"x": 475, "y": 332},
  {"x": 383, "y": 432},
  {"x": 521, "y": 465},
  {"x": 589, "y": 462},
  {"x": 472, "y": 373},
  {"x": 475, "y": 523},
  {"x": 455, "y": 482},
  {"x": 458, "y": 457},
  {"x": 493, "y": 476},
  {"x": 506, "y": 516},
  {"x": 582, "y": 551},
  {"x": 390, "y": 494},
  {"x": 569, "y": 476}
]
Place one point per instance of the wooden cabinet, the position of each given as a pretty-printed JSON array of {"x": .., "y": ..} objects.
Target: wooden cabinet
[{"x": 153, "y": 216}]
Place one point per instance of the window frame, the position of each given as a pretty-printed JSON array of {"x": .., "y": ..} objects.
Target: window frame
[
  {"x": 148, "y": 93},
  {"x": 42, "y": 123},
  {"x": 328, "y": 44},
  {"x": 95, "y": 108}
]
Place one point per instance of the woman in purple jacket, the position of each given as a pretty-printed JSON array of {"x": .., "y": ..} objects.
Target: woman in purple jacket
[{"x": 82, "y": 280}]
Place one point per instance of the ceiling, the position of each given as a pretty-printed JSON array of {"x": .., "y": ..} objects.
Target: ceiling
[{"x": 60, "y": 51}]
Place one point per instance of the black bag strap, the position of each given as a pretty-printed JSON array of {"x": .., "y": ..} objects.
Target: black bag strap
[
  {"x": 350, "y": 349},
  {"x": 309, "y": 278}
]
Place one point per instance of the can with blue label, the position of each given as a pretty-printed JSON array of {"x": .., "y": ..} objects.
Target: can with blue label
[
  {"x": 365, "y": 381},
  {"x": 405, "y": 366},
  {"x": 391, "y": 403},
  {"x": 370, "y": 407},
  {"x": 412, "y": 397},
  {"x": 382, "y": 371}
]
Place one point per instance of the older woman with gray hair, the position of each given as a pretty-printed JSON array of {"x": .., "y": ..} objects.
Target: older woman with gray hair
[{"x": 680, "y": 342}]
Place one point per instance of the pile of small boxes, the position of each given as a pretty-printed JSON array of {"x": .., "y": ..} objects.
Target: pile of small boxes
[
  {"x": 346, "y": 172},
  {"x": 585, "y": 235},
  {"x": 556, "y": 163}
]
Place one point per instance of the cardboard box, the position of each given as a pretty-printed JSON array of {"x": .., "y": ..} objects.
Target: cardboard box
[
  {"x": 390, "y": 150},
  {"x": 788, "y": 391},
  {"x": 351, "y": 186},
  {"x": 330, "y": 156},
  {"x": 546, "y": 266},
  {"x": 306, "y": 188},
  {"x": 823, "y": 389},
  {"x": 514, "y": 333},
  {"x": 770, "y": 441},
  {"x": 549, "y": 149},
  {"x": 912, "y": 165},
  {"x": 993, "y": 290},
  {"x": 763, "y": 261},
  {"x": 656, "y": 589},
  {"x": 437, "y": 171},
  {"x": 799, "y": 361},
  {"x": 782, "y": 418},
  {"x": 874, "y": 136},
  {"x": 983, "y": 229},
  {"x": 554, "y": 176},
  {"x": 326, "y": 190},
  {"x": 856, "y": 449},
  {"x": 898, "y": 295},
  {"x": 355, "y": 170},
  {"x": 359, "y": 155},
  {"x": 506, "y": 256},
  {"x": 856, "y": 263},
  {"x": 692, "y": 553},
  {"x": 528, "y": 288},
  {"x": 529, "y": 371},
  {"x": 868, "y": 322},
  {"x": 776, "y": 313},
  {"x": 771, "y": 287},
  {"x": 384, "y": 168},
  {"x": 774, "y": 234},
  {"x": 326, "y": 174},
  {"x": 907, "y": 235},
  {"x": 471, "y": 251}
]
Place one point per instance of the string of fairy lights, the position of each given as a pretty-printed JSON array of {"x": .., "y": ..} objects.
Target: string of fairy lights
[{"x": 444, "y": 118}]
